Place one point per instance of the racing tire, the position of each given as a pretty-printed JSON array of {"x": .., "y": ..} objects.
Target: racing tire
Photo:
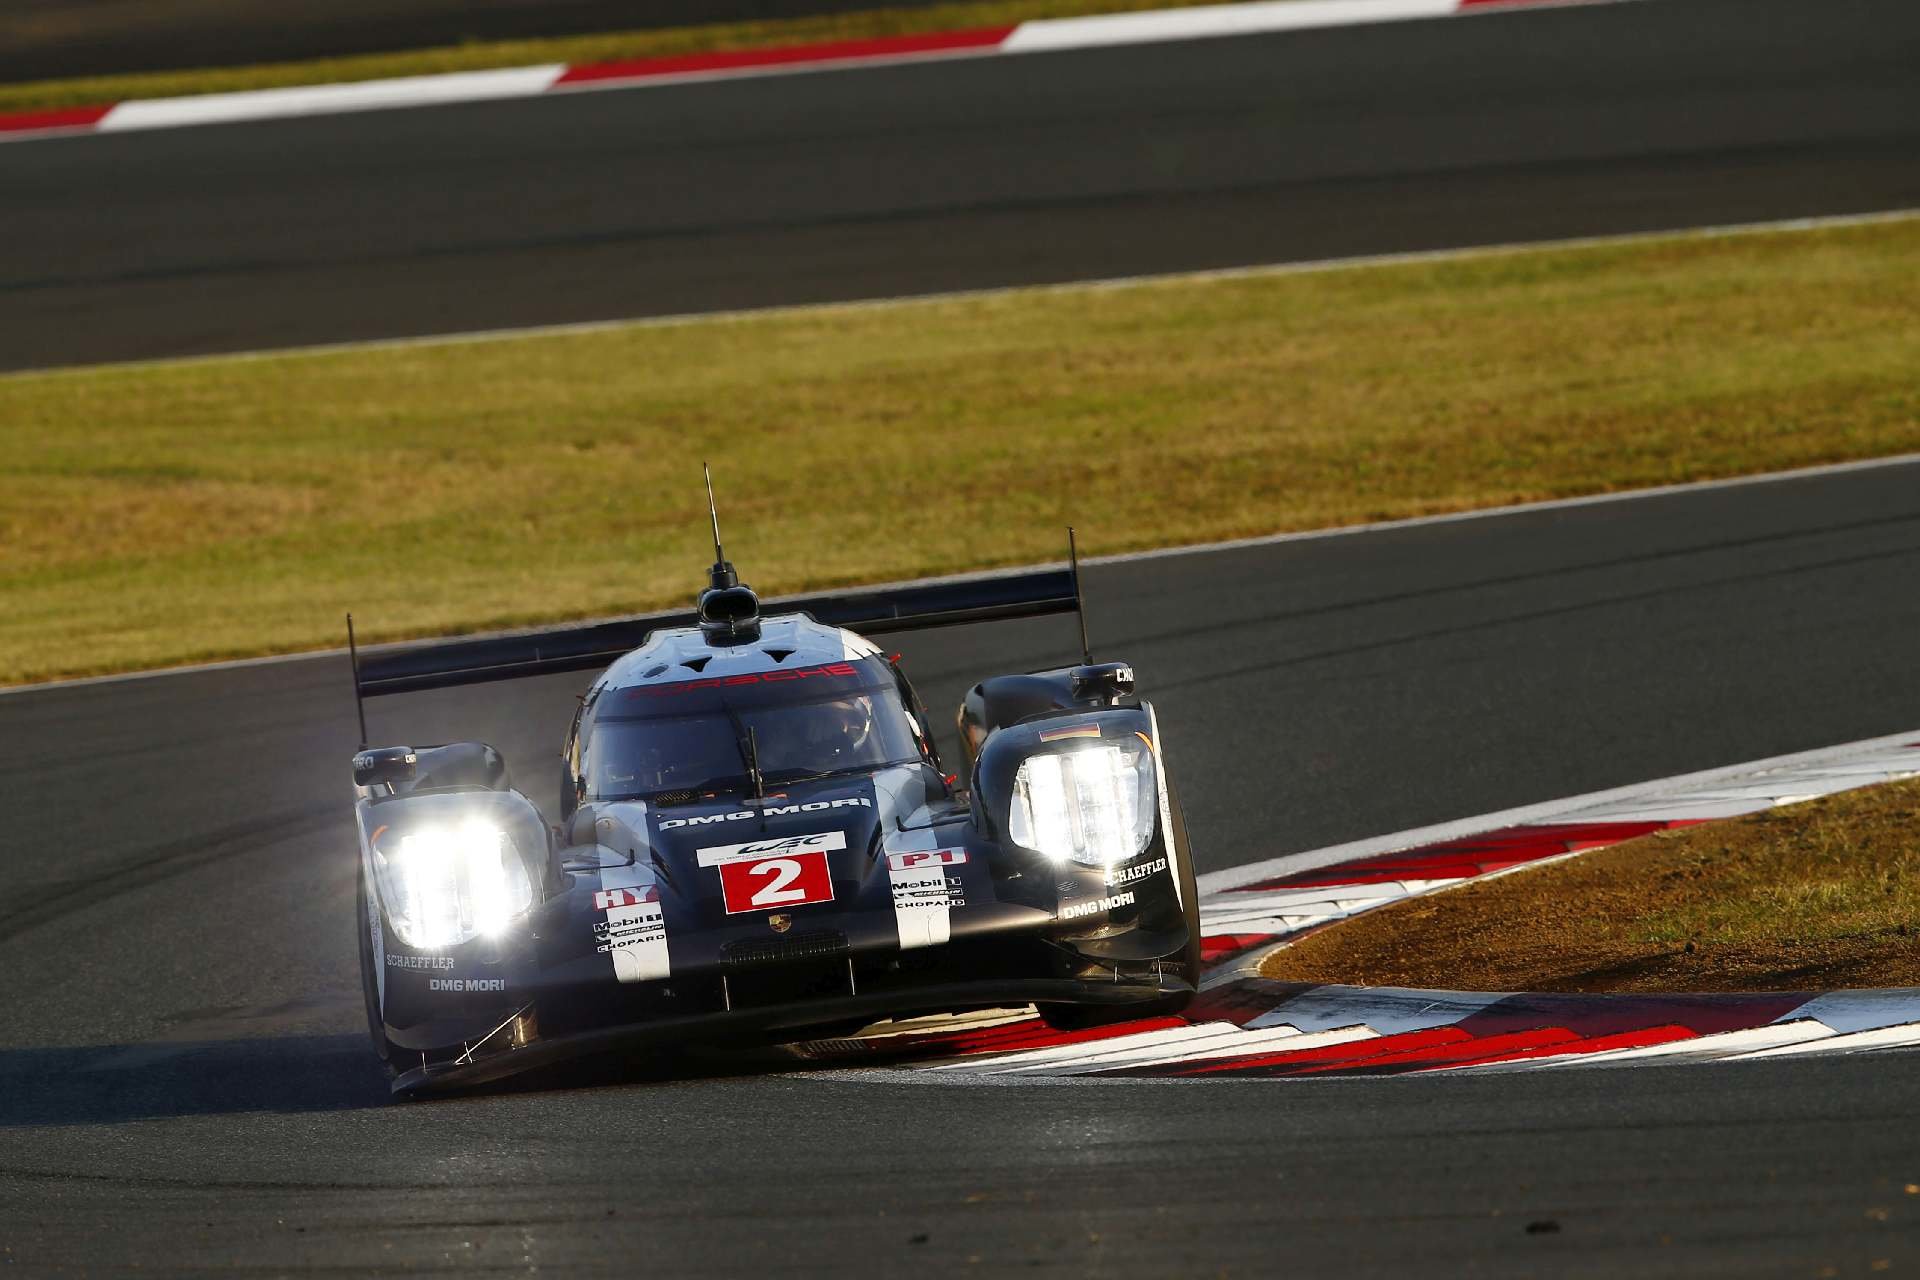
[{"x": 1080, "y": 1017}]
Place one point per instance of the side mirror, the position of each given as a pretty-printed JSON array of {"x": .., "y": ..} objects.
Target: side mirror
[
  {"x": 1102, "y": 682},
  {"x": 378, "y": 765},
  {"x": 582, "y": 829}
]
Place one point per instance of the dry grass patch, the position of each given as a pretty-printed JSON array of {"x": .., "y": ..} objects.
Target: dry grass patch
[
  {"x": 480, "y": 55},
  {"x": 1813, "y": 896},
  {"x": 173, "y": 513}
]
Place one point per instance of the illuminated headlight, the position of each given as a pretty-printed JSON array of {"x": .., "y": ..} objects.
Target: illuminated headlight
[
  {"x": 446, "y": 885},
  {"x": 1093, "y": 806}
]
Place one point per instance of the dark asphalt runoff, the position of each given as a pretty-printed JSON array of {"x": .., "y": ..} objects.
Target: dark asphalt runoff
[
  {"x": 995, "y": 171},
  {"x": 184, "y": 1081}
]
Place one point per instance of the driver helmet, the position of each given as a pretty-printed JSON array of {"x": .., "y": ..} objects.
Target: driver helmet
[{"x": 829, "y": 732}]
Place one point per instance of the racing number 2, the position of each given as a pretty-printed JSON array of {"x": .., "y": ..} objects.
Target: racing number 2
[
  {"x": 780, "y": 873},
  {"x": 762, "y": 884}
]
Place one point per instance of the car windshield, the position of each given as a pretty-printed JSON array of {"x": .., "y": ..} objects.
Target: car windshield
[{"x": 627, "y": 758}]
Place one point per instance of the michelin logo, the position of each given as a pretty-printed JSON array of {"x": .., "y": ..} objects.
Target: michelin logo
[
  {"x": 1079, "y": 909},
  {"x": 771, "y": 811}
]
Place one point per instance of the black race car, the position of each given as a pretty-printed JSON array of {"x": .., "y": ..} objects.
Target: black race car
[{"x": 758, "y": 841}]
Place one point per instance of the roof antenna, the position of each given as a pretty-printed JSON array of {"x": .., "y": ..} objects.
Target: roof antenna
[
  {"x": 1079, "y": 601},
  {"x": 359, "y": 703},
  {"x": 729, "y": 611},
  {"x": 721, "y": 576}
]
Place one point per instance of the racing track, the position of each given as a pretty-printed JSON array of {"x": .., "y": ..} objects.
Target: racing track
[
  {"x": 962, "y": 174},
  {"x": 184, "y": 1077}
]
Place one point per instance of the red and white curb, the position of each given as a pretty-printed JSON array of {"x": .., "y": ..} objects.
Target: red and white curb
[
  {"x": 1243, "y": 1025},
  {"x": 1042, "y": 36}
]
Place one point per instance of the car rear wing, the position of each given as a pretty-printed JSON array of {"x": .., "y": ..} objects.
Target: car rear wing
[{"x": 873, "y": 611}]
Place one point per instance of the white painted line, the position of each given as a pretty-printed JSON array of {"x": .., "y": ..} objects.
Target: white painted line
[
  {"x": 1227, "y": 913},
  {"x": 1147, "y": 1042},
  {"x": 1726, "y": 1044},
  {"x": 1169, "y": 1052},
  {"x": 1319, "y": 900},
  {"x": 1851, "y": 1042},
  {"x": 1274, "y": 1040},
  {"x": 941, "y": 1023},
  {"x": 1388, "y": 1010},
  {"x": 1242, "y": 968},
  {"x": 1052, "y": 35},
  {"x": 331, "y": 99},
  {"x": 1058, "y": 1052},
  {"x": 1230, "y": 1043},
  {"x": 1263, "y": 923},
  {"x": 1767, "y": 796},
  {"x": 1676, "y": 810},
  {"x": 1855, "y": 773},
  {"x": 1899, "y": 759},
  {"x": 1850, "y": 1011}
]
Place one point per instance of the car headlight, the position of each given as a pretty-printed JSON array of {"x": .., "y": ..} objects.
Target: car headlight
[
  {"x": 1094, "y": 805},
  {"x": 446, "y": 885}
]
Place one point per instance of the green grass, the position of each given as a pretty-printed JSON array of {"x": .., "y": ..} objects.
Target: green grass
[
  {"x": 481, "y": 55},
  {"x": 164, "y": 514},
  {"x": 1815, "y": 896}
]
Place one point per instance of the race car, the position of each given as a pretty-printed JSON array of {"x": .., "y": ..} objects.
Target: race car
[{"x": 758, "y": 841}]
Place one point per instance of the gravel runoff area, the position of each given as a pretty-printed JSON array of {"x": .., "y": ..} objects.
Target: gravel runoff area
[{"x": 1820, "y": 895}]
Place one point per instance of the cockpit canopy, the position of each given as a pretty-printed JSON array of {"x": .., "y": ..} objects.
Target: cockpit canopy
[{"x": 688, "y": 736}]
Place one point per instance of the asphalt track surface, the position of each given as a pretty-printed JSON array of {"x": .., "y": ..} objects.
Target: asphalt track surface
[
  {"x": 185, "y": 1083},
  {"x": 960, "y": 174}
]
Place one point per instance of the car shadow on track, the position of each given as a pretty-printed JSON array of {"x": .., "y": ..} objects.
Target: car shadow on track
[
  {"x": 117, "y": 1084},
  {"x": 112, "y": 1084}
]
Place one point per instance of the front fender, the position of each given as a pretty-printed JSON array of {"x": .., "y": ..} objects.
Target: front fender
[{"x": 429, "y": 997}]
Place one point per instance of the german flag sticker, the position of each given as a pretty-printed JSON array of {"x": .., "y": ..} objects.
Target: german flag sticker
[{"x": 1076, "y": 731}]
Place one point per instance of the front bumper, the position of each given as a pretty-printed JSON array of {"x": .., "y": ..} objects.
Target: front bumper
[{"x": 497, "y": 1057}]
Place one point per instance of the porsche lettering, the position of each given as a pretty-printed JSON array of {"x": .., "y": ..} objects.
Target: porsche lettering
[{"x": 831, "y": 669}]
